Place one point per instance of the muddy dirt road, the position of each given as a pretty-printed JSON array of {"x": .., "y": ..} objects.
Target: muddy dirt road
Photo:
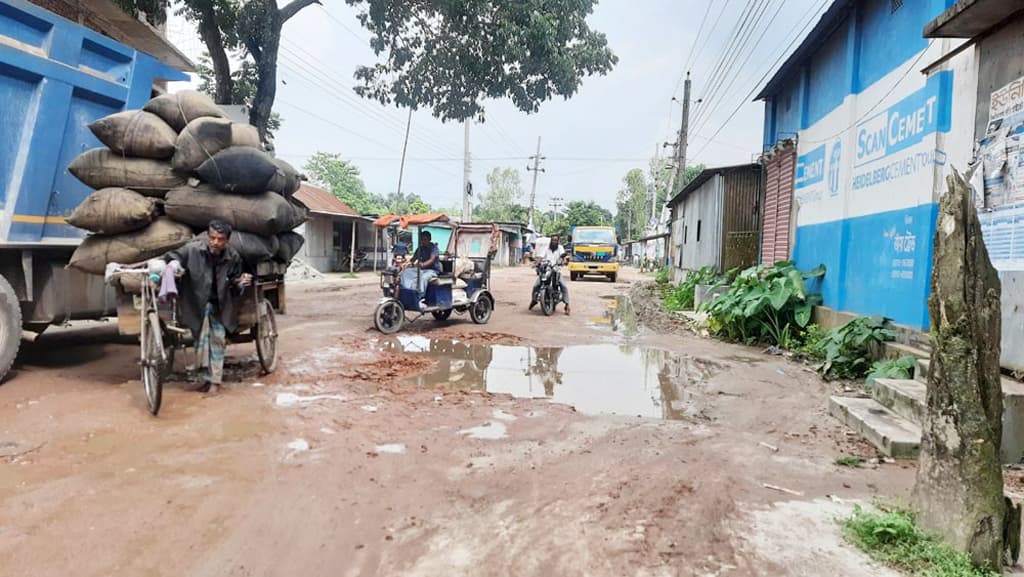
[{"x": 453, "y": 449}]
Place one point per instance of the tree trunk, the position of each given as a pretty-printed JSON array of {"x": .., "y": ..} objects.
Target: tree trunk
[
  {"x": 264, "y": 44},
  {"x": 266, "y": 84},
  {"x": 959, "y": 488},
  {"x": 209, "y": 31}
]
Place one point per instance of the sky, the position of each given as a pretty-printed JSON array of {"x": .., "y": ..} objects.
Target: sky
[{"x": 613, "y": 124}]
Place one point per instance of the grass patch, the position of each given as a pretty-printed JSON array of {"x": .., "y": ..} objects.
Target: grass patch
[
  {"x": 680, "y": 297},
  {"x": 848, "y": 461},
  {"x": 892, "y": 537}
]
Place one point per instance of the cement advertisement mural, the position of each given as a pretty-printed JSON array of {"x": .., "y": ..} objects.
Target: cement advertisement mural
[{"x": 866, "y": 190}]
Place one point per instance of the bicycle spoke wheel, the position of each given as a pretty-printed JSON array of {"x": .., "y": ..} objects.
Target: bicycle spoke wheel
[
  {"x": 266, "y": 336},
  {"x": 152, "y": 361}
]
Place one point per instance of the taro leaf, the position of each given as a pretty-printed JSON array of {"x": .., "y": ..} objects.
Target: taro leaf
[
  {"x": 753, "y": 304},
  {"x": 798, "y": 283},
  {"x": 780, "y": 295},
  {"x": 816, "y": 272},
  {"x": 803, "y": 314}
]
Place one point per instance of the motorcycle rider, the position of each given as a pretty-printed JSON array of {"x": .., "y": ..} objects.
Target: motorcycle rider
[{"x": 555, "y": 256}]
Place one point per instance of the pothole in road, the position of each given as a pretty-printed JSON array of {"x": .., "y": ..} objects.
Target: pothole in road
[{"x": 595, "y": 379}]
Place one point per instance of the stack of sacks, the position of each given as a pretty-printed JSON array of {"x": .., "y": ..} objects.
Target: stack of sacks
[{"x": 169, "y": 169}]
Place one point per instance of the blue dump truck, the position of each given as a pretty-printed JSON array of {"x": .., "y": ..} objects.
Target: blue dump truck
[{"x": 56, "y": 77}]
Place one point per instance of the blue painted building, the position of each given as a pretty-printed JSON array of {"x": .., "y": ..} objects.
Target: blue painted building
[{"x": 871, "y": 105}]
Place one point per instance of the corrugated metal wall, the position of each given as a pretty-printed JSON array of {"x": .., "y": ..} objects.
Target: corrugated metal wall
[
  {"x": 318, "y": 249},
  {"x": 740, "y": 217},
  {"x": 780, "y": 170},
  {"x": 702, "y": 210}
]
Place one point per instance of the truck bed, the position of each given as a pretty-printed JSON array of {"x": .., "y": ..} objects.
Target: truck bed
[{"x": 56, "y": 77}]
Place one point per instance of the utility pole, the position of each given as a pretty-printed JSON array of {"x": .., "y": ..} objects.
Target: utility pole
[
  {"x": 683, "y": 139},
  {"x": 405, "y": 146},
  {"x": 535, "y": 168},
  {"x": 654, "y": 186},
  {"x": 629, "y": 221},
  {"x": 467, "y": 188},
  {"x": 556, "y": 203}
]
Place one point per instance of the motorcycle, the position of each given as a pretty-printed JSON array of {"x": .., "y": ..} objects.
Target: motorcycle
[{"x": 549, "y": 293}]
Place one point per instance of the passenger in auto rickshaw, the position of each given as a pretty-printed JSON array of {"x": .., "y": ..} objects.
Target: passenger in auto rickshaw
[{"x": 425, "y": 266}]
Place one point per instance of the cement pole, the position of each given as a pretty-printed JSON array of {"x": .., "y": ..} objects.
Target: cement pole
[
  {"x": 683, "y": 139},
  {"x": 352, "y": 249},
  {"x": 536, "y": 169},
  {"x": 466, "y": 168},
  {"x": 654, "y": 186},
  {"x": 405, "y": 146}
]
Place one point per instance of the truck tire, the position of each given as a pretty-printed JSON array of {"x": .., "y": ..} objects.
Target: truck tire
[{"x": 10, "y": 327}]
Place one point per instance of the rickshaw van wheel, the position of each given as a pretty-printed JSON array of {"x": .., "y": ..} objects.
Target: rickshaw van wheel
[{"x": 265, "y": 335}]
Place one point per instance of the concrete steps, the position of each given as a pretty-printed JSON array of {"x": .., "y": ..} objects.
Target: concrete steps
[
  {"x": 892, "y": 418},
  {"x": 893, "y": 435},
  {"x": 906, "y": 398}
]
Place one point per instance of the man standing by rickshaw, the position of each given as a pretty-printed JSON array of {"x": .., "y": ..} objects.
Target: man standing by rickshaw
[{"x": 212, "y": 282}]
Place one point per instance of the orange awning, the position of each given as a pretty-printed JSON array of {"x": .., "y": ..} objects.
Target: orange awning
[{"x": 404, "y": 220}]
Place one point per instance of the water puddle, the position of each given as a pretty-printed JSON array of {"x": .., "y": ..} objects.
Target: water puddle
[{"x": 596, "y": 379}]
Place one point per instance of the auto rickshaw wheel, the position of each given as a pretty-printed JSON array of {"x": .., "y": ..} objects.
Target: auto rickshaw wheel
[
  {"x": 265, "y": 335},
  {"x": 481, "y": 310},
  {"x": 442, "y": 315},
  {"x": 389, "y": 317}
]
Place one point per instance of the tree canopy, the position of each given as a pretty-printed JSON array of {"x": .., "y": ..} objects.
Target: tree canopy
[
  {"x": 440, "y": 54},
  {"x": 632, "y": 207},
  {"x": 450, "y": 55},
  {"x": 500, "y": 202},
  {"x": 587, "y": 213},
  {"x": 633, "y": 201},
  {"x": 252, "y": 28},
  {"x": 341, "y": 178}
]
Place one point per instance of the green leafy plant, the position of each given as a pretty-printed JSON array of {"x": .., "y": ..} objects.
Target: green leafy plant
[
  {"x": 765, "y": 304},
  {"x": 891, "y": 536},
  {"x": 848, "y": 461},
  {"x": 810, "y": 342},
  {"x": 901, "y": 368},
  {"x": 662, "y": 277},
  {"x": 681, "y": 297},
  {"x": 846, "y": 351}
]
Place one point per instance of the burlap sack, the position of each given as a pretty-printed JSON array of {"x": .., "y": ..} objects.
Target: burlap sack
[
  {"x": 239, "y": 169},
  {"x": 286, "y": 180},
  {"x": 299, "y": 214},
  {"x": 135, "y": 133},
  {"x": 264, "y": 214},
  {"x": 180, "y": 108},
  {"x": 96, "y": 251},
  {"x": 289, "y": 245},
  {"x": 251, "y": 247},
  {"x": 100, "y": 168},
  {"x": 131, "y": 283},
  {"x": 199, "y": 141},
  {"x": 113, "y": 211},
  {"x": 245, "y": 135}
]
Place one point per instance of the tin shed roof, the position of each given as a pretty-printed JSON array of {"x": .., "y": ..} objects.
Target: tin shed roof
[{"x": 319, "y": 201}]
